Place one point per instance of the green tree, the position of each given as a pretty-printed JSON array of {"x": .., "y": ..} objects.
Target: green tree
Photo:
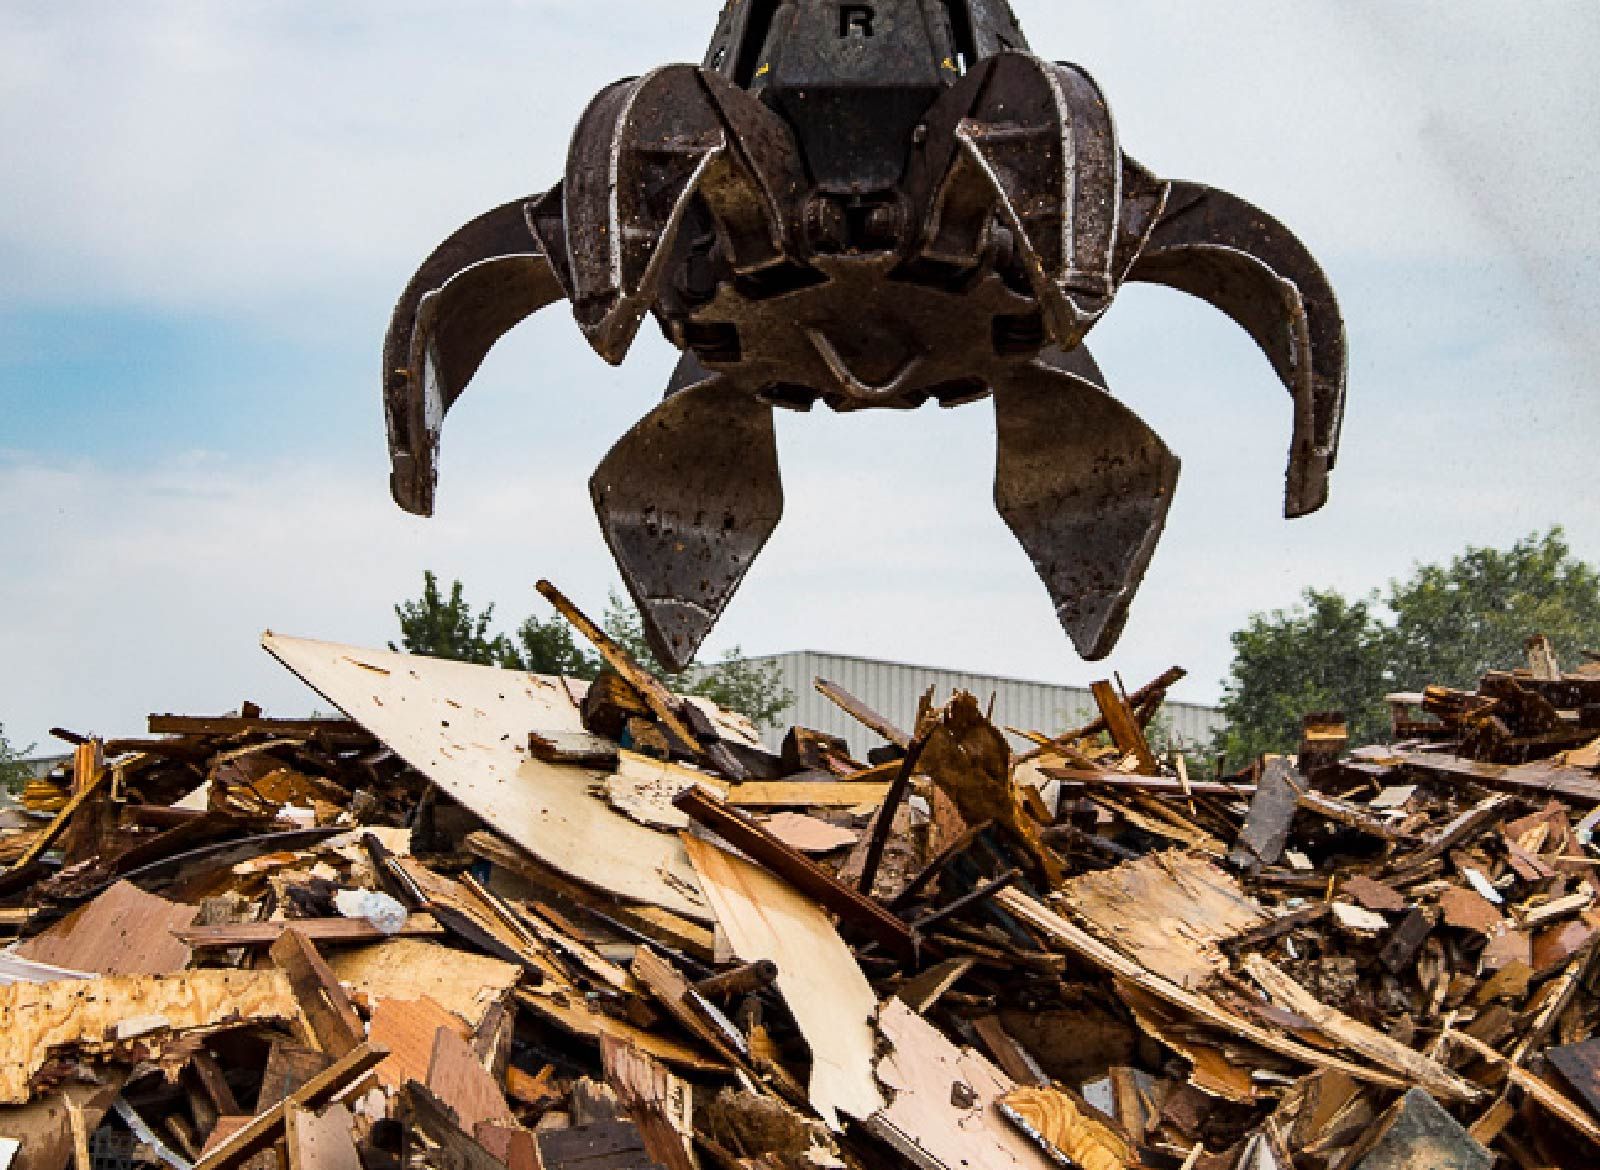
[
  {"x": 548, "y": 647},
  {"x": 14, "y": 773},
  {"x": 1326, "y": 654},
  {"x": 443, "y": 628},
  {"x": 1454, "y": 622},
  {"x": 1445, "y": 624}
]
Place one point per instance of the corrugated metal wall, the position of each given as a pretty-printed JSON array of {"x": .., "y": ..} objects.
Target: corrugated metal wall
[{"x": 892, "y": 689}]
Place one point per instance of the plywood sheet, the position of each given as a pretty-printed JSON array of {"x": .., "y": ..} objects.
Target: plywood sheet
[
  {"x": 466, "y": 727},
  {"x": 643, "y": 789},
  {"x": 324, "y": 1142},
  {"x": 829, "y": 997},
  {"x": 124, "y": 931}
]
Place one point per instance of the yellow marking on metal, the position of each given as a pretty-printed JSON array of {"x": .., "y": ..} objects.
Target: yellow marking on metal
[{"x": 764, "y": 70}]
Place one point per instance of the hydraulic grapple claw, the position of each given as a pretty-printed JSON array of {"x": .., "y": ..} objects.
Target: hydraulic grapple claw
[{"x": 869, "y": 206}]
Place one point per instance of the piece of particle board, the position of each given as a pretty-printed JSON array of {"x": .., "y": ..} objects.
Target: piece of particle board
[{"x": 37, "y": 1018}]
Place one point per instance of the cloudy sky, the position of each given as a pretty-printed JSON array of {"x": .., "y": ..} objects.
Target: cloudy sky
[{"x": 208, "y": 209}]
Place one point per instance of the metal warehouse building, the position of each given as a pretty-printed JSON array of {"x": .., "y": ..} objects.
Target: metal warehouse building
[{"x": 893, "y": 689}]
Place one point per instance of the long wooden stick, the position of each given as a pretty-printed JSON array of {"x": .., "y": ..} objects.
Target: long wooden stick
[
  {"x": 861, "y": 713},
  {"x": 649, "y": 687},
  {"x": 884, "y": 821}
]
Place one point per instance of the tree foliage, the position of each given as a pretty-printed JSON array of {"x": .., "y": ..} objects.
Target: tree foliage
[
  {"x": 1445, "y": 624},
  {"x": 13, "y": 772},
  {"x": 442, "y": 627}
]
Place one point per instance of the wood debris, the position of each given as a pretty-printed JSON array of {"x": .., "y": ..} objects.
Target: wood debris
[{"x": 635, "y": 937}]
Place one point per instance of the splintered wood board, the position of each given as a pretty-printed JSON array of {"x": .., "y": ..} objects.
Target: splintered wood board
[
  {"x": 80, "y": 1013},
  {"x": 1168, "y": 911},
  {"x": 829, "y": 997},
  {"x": 942, "y": 1110},
  {"x": 124, "y": 931},
  {"x": 466, "y": 728}
]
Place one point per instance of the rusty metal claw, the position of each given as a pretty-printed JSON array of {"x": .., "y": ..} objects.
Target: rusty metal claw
[
  {"x": 870, "y": 206},
  {"x": 1085, "y": 486},
  {"x": 686, "y": 500}
]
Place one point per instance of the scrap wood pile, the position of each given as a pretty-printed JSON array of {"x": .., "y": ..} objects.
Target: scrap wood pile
[{"x": 491, "y": 920}]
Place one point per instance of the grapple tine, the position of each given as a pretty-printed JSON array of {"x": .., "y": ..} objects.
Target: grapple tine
[
  {"x": 642, "y": 152},
  {"x": 1085, "y": 487},
  {"x": 472, "y": 290},
  {"x": 1241, "y": 260},
  {"x": 686, "y": 500},
  {"x": 1036, "y": 142}
]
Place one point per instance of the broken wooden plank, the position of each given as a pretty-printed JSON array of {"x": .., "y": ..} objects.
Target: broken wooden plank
[
  {"x": 1575, "y": 784},
  {"x": 855, "y": 908},
  {"x": 327, "y": 931},
  {"x": 697, "y": 1015},
  {"x": 328, "y": 1011},
  {"x": 456, "y": 1078},
  {"x": 231, "y": 725},
  {"x": 1086, "y": 946},
  {"x": 1123, "y": 726},
  {"x": 82, "y": 795},
  {"x": 465, "y": 727},
  {"x": 818, "y": 977},
  {"x": 631, "y": 920},
  {"x": 1142, "y": 697},
  {"x": 660, "y": 700},
  {"x": 407, "y": 1029},
  {"x": 1368, "y": 1042},
  {"x": 808, "y": 794},
  {"x": 861, "y": 713},
  {"x": 655, "y": 1100}
]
